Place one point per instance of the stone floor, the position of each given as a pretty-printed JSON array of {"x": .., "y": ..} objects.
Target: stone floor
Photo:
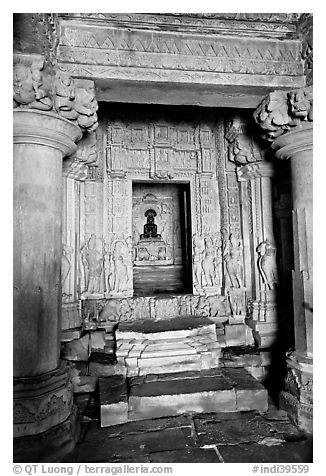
[{"x": 242, "y": 437}]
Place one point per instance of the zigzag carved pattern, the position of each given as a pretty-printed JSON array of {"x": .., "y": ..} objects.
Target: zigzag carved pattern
[{"x": 178, "y": 46}]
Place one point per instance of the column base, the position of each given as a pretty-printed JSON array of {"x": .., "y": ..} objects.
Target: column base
[
  {"x": 42, "y": 402},
  {"x": 297, "y": 397},
  {"x": 50, "y": 446},
  {"x": 264, "y": 333},
  {"x": 263, "y": 322}
]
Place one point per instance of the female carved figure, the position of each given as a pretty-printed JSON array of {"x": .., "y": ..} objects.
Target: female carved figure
[
  {"x": 119, "y": 257},
  {"x": 218, "y": 266},
  {"x": 197, "y": 264},
  {"x": 208, "y": 262},
  {"x": 233, "y": 260},
  {"x": 93, "y": 264},
  {"x": 267, "y": 263}
]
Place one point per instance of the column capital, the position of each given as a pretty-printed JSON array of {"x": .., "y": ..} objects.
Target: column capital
[
  {"x": 71, "y": 99},
  {"x": 299, "y": 139},
  {"x": 255, "y": 170},
  {"x": 281, "y": 111},
  {"x": 45, "y": 128}
]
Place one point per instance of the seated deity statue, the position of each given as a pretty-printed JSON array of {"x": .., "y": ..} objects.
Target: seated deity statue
[{"x": 150, "y": 228}]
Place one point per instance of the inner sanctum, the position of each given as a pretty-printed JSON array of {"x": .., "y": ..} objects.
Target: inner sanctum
[{"x": 161, "y": 238}]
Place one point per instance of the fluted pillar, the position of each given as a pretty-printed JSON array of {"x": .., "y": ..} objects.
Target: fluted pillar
[{"x": 42, "y": 389}]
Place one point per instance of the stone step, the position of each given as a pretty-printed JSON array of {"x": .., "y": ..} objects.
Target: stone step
[
  {"x": 163, "y": 395},
  {"x": 113, "y": 400},
  {"x": 167, "y": 346},
  {"x": 214, "y": 390}
]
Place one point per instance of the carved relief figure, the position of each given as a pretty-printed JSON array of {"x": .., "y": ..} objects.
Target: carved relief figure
[
  {"x": 86, "y": 106},
  {"x": 28, "y": 87},
  {"x": 202, "y": 308},
  {"x": 187, "y": 305},
  {"x": 208, "y": 261},
  {"x": 129, "y": 260},
  {"x": 197, "y": 261},
  {"x": 65, "y": 262},
  {"x": 119, "y": 257},
  {"x": 33, "y": 89},
  {"x": 92, "y": 259},
  {"x": 267, "y": 263},
  {"x": 232, "y": 256},
  {"x": 244, "y": 150},
  {"x": 301, "y": 103},
  {"x": 142, "y": 254},
  {"x": 108, "y": 268},
  {"x": 218, "y": 263},
  {"x": 64, "y": 95},
  {"x": 236, "y": 304}
]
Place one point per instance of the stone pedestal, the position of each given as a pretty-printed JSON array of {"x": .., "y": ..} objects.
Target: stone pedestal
[
  {"x": 296, "y": 145},
  {"x": 297, "y": 397},
  {"x": 42, "y": 393}
]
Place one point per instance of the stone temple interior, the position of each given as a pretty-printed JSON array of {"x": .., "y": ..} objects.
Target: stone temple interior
[{"x": 163, "y": 237}]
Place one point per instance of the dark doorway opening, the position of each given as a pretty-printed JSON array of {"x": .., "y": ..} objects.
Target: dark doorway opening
[{"x": 161, "y": 238}]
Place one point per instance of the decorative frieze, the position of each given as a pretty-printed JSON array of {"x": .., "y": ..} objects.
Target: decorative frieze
[
  {"x": 162, "y": 50},
  {"x": 136, "y": 50},
  {"x": 159, "y": 307}
]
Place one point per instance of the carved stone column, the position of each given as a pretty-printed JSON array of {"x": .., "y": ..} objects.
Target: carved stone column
[
  {"x": 262, "y": 308},
  {"x": 293, "y": 140},
  {"x": 42, "y": 390},
  {"x": 47, "y": 123},
  {"x": 296, "y": 145}
]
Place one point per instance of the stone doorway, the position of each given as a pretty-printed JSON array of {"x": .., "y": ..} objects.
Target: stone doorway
[{"x": 161, "y": 238}]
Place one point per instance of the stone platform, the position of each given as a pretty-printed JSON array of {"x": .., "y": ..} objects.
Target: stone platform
[
  {"x": 172, "y": 345},
  {"x": 161, "y": 395}
]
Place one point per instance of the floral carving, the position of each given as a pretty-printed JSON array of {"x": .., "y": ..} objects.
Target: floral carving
[{"x": 280, "y": 111}]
